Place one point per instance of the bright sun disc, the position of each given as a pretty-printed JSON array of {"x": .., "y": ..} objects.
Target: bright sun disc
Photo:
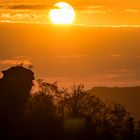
[{"x": 62, "y": 14}]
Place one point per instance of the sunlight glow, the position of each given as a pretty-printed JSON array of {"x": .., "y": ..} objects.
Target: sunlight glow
[{"x": 63, "y": 14}]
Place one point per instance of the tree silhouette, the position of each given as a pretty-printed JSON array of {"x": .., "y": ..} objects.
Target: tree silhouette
[{"x": 41, "y": 112}]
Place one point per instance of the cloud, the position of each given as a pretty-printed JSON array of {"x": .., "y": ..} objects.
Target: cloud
[
  {"x": 115, "y": 55},
  {"x": 5, "y": 15},
  {"x": 28, "y": 7},
  {"x": 94, "y": 9},
  {"x": 119, "y": 71},
  {"x": 24, "y": 6},
  {"x": 72, "y": 56},
  {"x": 130, "y": 11},
  {"x": 16, "y": 61},
  {"x": 18, "y": 16},
  {"x": 120, "y": 77},
  {"x": 109, "y": 25},
  {"x": 23, "y": 18},
  {"x": 19, "y": 60}
]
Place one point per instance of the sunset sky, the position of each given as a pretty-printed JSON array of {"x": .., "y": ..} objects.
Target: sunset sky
[
  {"x": 100, "y": 48},
  {"x": 89, "y": 12}
]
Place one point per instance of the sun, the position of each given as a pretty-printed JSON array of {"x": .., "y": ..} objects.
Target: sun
[{"x": 63, "y": 13}]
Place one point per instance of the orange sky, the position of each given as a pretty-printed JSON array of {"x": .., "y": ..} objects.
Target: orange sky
[
  {"x": 89, "y": 12},
  {"x": 100, "y": 48},
  {"x": 95, "y": 56}
]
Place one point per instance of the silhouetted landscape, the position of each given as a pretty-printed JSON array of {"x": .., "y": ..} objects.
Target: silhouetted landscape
[{"x": 50, "y": 112}]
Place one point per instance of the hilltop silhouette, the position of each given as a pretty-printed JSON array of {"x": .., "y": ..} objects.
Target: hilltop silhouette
[{"x": 15, "y": 87}]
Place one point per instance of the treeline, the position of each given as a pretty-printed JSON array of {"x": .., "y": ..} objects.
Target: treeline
[{"x": 58, "y": 113}]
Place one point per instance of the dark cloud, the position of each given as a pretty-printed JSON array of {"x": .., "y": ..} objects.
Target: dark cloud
[
  {"x": 30, "y": 7},
  {"x": 25, "y": 6}
]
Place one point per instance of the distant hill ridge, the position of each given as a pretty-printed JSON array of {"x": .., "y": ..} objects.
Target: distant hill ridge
[
  {"x": 115, "y": 89},
  {"x": 128, "y": 96}
]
